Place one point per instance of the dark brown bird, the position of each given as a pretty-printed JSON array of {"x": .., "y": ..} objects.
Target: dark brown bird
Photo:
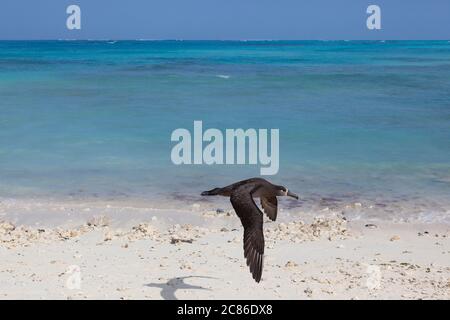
[{"x": 241, "y": 196}]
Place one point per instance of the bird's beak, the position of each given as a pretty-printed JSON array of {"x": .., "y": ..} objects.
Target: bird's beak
[{"x": 293, "y": 195}]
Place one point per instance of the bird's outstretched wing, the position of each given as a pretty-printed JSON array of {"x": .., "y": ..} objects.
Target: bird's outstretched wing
[
  {"x": 269, "y": 206},
  {"x": 252, "y": 220}
]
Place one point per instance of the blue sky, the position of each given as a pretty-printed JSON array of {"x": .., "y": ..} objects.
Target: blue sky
[{"x": 225, "y": 19}]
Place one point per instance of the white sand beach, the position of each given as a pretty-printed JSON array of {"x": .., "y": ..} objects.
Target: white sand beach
[{"x": 103, "y": 251}]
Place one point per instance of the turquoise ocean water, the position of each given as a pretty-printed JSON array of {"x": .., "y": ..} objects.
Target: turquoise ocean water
[{"x": 359, "y": 121}]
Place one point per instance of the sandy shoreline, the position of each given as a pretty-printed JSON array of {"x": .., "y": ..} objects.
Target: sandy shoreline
[{"x": 198, "y": 254}]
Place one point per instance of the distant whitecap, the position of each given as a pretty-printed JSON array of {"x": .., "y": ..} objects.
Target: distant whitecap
[{"x": 223, "y": 76}]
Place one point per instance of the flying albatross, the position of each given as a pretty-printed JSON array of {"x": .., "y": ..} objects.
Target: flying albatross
[{"x": 241, "y": 196}]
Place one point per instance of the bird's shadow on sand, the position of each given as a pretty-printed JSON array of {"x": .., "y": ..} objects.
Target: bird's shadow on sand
[{"x": 169, "y": 288}]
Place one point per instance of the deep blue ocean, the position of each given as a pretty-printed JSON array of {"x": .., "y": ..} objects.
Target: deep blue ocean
[{"x": 359, "y": 120}]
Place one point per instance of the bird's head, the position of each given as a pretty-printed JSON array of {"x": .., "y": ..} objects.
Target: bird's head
[{"x": 283, "y": 191}]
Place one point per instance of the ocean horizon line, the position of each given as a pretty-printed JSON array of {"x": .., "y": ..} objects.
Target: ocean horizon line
[{"x": 224, "y": 40}]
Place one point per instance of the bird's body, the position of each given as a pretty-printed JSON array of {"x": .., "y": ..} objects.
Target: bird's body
[{"x": 242, "y": 196}]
